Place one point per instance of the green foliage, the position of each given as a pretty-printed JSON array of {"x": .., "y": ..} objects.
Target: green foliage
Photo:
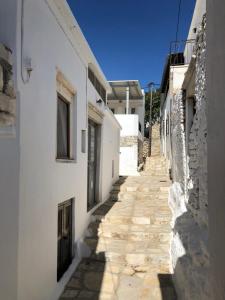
[{"x": 155, "y": 106}]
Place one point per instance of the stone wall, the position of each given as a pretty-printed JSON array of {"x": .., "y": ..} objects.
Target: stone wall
[
  {"x": 188, "y": 194},
  {"x": 145, "y": 148},
  {"x": 140, "y": 152},
  {"x": 7, "y": 95},
  {"x": 128, "y": 141}
]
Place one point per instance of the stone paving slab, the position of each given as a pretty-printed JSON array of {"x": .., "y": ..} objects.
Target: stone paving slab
[{"x": 129, "y": 243}]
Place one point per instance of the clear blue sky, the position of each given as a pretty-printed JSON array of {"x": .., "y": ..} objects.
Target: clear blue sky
[{"x": 131, "y": 38}]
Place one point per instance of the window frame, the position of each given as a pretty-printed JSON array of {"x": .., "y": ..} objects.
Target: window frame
[
  {"x": 62, "y": 225},
  {"x": 68, "y": 121}
]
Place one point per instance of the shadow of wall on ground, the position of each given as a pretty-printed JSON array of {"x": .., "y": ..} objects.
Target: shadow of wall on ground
[{"x": 87, "y": 280}]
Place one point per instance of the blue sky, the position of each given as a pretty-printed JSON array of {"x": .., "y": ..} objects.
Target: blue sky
[{"x": 131, "y": 38}]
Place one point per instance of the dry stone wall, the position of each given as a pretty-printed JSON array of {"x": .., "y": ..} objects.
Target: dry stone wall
[
  {"x": 188, "y": 194},
  {"x": 145, "y": 148}
]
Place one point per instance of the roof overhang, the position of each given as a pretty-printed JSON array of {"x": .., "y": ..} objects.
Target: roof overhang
[{"x": 119, "y": 90}]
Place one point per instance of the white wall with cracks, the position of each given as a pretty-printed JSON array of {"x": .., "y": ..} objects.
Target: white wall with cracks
[{"x": 188, "y": 193}]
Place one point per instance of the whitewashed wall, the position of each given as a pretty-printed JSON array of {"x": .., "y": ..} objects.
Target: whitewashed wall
[
  {"x": 176, "y": 79},
  {"x": 128, "y": 144},
  {"x": 32, "y": 182},
  {"x": 111, "y": 149},
  {"x": 129, "y": 124},
  {"x": 215, "y": 76},
  {"x": 9, "y": 171},
  {"x": 139, "y": 105}
]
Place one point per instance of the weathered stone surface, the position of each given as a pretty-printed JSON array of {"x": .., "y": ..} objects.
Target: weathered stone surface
[
  {"x": 128, "y": 141},
  {"x": 188, "y": 194},
  {"x": 129, "y": 241}
]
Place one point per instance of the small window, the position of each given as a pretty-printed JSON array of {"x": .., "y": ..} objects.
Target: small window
[
  {"x": 133, "y": 111},
  {"x": 96, "y": 83},
  {"x": 113, "y": 110},
  {"x": 63, "y": 128}
]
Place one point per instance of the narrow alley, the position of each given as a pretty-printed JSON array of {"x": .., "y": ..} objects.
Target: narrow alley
[{"x": 128, "y": 240}]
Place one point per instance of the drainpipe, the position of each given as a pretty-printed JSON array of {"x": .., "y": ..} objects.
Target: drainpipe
[{"x": 127, "y": 99}]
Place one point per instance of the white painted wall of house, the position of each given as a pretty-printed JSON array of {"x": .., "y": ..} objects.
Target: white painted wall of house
[
  {"x": 215, "y": 74},
  {"x": 9, "y": 174},
  {"x": 128, "y": 155},
  {"x": 32, "y": 182},
  {"x": 139, "y": 105},
  {"x": 111, "y": 149},
  {"x": 199, "y": 11},
  {"x": 176, "y": 79},
  {"x": 129, "y": 124}
]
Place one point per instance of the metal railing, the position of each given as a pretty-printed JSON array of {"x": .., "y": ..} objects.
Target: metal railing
[{"x": 181, "y": 52}]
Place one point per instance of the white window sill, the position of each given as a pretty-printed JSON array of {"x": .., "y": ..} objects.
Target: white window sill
[{"x": 64, "y": 160}]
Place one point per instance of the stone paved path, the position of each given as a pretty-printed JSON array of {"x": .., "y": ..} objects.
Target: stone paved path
[{"x": 129, "y": 241}]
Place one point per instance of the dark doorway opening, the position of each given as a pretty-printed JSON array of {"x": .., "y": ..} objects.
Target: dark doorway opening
[
  {"x": 92, "y": 164},
  {"x": 64, "y": 237}
]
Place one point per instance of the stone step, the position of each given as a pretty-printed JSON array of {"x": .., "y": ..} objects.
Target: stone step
[
  {"x": 133, "y": 259},
  {"x": 153, "y": 186},
  {"x": 129, "y": 232},
  {"x": 104, "y": 244},
  {"x": 117, "y": 220},
  {"x": 151, "y": 199}
]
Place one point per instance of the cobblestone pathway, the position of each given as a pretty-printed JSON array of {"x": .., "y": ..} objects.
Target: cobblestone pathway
[{"x": 129, "y": 241}]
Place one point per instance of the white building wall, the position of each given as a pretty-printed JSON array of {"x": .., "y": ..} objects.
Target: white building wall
[
  {"x": 128, "y": 124},
  {"x": 111, "y": 149},
  {"x": 128, "y": 144},
  {"x": 139, "y": 105},
  {"x": 176, "y": 79},
  {"x": 215, "y": 74},
  {"x": 9, "y": 171},
  {"x": 32, "y": 182},
  {"x": 199, "y": 11}
]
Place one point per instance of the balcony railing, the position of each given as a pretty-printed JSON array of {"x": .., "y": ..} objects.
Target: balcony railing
[{"x": 181, "y": 52}]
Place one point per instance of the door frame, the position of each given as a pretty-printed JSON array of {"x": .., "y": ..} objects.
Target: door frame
[
  {"x": 98, "y": 164},
  {"x": 62, "y": 206}
]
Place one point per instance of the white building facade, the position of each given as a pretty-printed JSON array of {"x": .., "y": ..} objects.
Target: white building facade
[
  {"x": 127, "y": 102},
  {"x": 59, "y": 146}
]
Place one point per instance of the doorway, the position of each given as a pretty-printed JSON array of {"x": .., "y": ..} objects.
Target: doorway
[
  {"x": 64, "y": 237},
  {"x": 92, "y": 164}
]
